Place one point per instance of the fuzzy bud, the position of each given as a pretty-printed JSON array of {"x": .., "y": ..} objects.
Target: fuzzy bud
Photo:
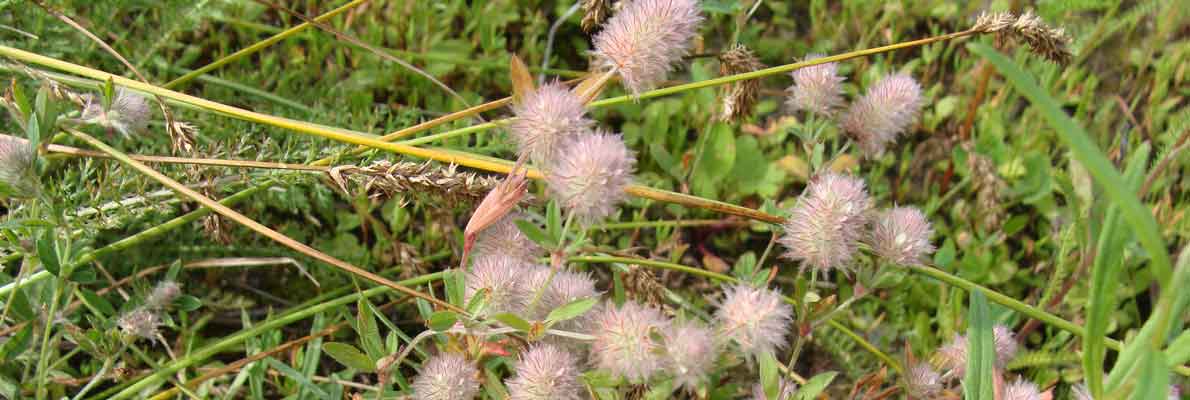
[
  {"x": 163, "y": 294},
  {"x": 545, "y": 372},
  {"x": 624, "y": 343},
  {"x": 18, "y": 172},
  {"x": 888, "y": 108},
  {"x": 756, "y": 319},
  {"x": 1022, "y": 389},
  {"x": 824, "y": 227},
  {"x": 446, "y": 376},
  {"x": 128, "y": 113},
  {"x": 923, "y": 382},
  {"x": 500, "y": 277},
  {"x": 816, "y": 89},
  {"x": 645, "y": 39},
  {"x": 505, "y": 238},
  {"x": 545, "y": 119},
  {"x": 690, "y": 353},
  {"x": 590, "y": 174},
  {"x": 140, "y": 322},
  {"x": 901, "y": 236}
]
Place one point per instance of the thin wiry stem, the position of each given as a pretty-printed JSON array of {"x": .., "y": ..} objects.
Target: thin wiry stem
[{"x": 256, "y": 226}]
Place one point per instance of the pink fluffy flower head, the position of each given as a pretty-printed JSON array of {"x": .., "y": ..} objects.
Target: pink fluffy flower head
[
  {"x": 885, "y": 111},
  {"x": 817, "y": 89},
  {"x": 624, "y": 340},
  {"x": 129, "y": 112},
  {"x": 545, "y": 119},
  {"x": 545, "y": 372},
  {"x": 922, "y": 381},
  {"x": 690, "y": 352},
  {"x": 500, "y": 277},
  {"x": 901, "y": 236},
  {"x": 18, "y": 172},
  {"x": 589, "y": 175},
  {"x": 756, "y": 319},
  {"x": 645, "y": 39},
  {"x": 1022, "y": 389},
  {"x": 505, "y": 238},
  {"x": 446, "y": 376},
  {"x": 824, "y": 228},
  {"x": 163, "y": 294},
  {"x": 953, "y": 356},
  {"x": 140, "y": 322}
]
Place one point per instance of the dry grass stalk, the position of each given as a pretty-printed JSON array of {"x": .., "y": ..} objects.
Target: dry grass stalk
[
  {"x": 738, "y": 98},
  {"x": 386, "y": 178},
  {"x": 1043, "y": 40}
]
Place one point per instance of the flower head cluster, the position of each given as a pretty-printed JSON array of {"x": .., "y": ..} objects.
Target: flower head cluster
[
  {"x": 18, "y": 172},
  {"x": 446, "y": 376},
  {"x": 504, "y": 238},
  {"x": 140, "y": 322},
  {"x": 545, "y": 119},
  {"x": 545, "y": 372},
  {"x": 1021, "y": 389},
  {"x": 816, "y": 89},
  {"x": 885, "y": 111},
  {"x": 500, "y": 278},
  {"x": 624, "y": 340},
  {"x": 756, "y": 319},
  {"x": 922, "y": 381},
  {"x": 901, "y": 235},
  {"x": 953, "y": 356},
  {"x": 645, "y": 38},
  {"x": 128, "y": 113},
  {"x": 164, "y": 293},
  {"x": 590, "y": 174},
  {"x": 824, "y": 228},
  {"x": 690, "y": 352}
]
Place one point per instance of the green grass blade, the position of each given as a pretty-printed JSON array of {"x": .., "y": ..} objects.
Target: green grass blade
[
  {"x": 1085, "y": 151},
  {"x": 1109, "y": 260},
  {"x": 1153, "y": 381},
  {"x": 981, "y": 350}
]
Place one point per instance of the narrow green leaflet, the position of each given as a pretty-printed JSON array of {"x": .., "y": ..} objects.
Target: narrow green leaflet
[
  {"x": 571, "y": 310},
  {"x": 816, "y": 385},
  {"x": 349, "y": 356},
  {"x": 513, "y": 321},
  {"x": 770, "y": 378},
  {"x": 48, "y": 253},
  {"x": 442, "y": 320}
]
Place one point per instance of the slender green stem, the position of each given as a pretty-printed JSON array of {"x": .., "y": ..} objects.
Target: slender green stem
[
  {"x": 261, "y": 45},
  {"x": 296, "y": 314},
  {"x": 45, "y": 341}
]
